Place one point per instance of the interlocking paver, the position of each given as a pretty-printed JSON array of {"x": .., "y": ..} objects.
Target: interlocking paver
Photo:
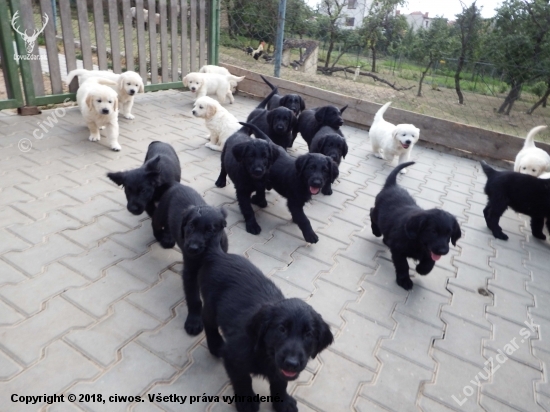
[
  {"x": 53, "y": 223},
  {"x": 302, "y": 271}
]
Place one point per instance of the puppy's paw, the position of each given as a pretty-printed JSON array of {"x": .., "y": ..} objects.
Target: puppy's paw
[
  {"x": 500, "y": 235},
  {"x": 94, "y": 138},
  {"x": 129, "y": 116},
  {"x": 423, "y": 268},
  {"x": 287, "y": 405},
  {"x": 253, "y": 227},
  {"x": 540, "y": 235},
  {"x": 115, "y": 146},
  {"x": 247, "y": 406},
  {"x": 166, "y": 240},
  {"x": 193, "y": 325},
  {"x": 375, "y": 230},
  {"x": 406, "y": 283},
  {"x": 379, "y": 156},
  {"x": 213, "y": 147},
  {"x": 255, "y": 200},
  {"x": 327, "y": 191},
  {"x": 311, "y": 237},
  {"x": 221, "y": 183},
  {"x": 215, "y": 349},
  {"x": 403, "y": 171}
]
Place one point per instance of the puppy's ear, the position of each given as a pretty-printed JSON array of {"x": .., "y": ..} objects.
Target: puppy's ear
[
  {"x": 141, "y": 86},
  {"x": 293, "y": 121},
  {"x": 118, "y": 177},
  {"x": 456, "y": 232},
  {"x": 115, "y": 104},
  {"x": 321, "y": 143},
  {"x": 120, "y": 83},
  {"x": 344, "y": 148},
  {"x": 211, "y": 110},
  {"x": 302, "y": 104},
  {"x": 333, "y": 167},
  {"x": 187, "y": 214},
  {"x": 258, "y": 325},
  {"x": 152, "y": 169},
  {"x": 323, "y": 334},
  {"x": 274, "y": 152},
  {"x": 301, "y": 163},
  {"x": 224, "y": 214},
  {"x": 239, "y": 151},
  {"x": 343, "y": 108},
  {"x": 185, "y": 81},
  {"x": 414, "y": 225},
  {"x": 90, "y": 102},
  {"x": 320, "y": 114}
]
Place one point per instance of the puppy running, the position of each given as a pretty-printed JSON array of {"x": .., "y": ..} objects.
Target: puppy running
[
  {"x": 99, "y": 107},
  {"x": 523, "y": 193},
  {"x": 145, "y": 185},
  {"x": 294, "y": 102},
  {"x": 409, "y": 231},
  {"x": 389, "y": 140},
  {"x": 311, "y": 120},
  {"x": 183, "y": 217},
  {"x": 264, "y": 333},
  {"x": 202, "y": 84},
  {"x": 532, "y": 160},
  {"x": 127, "y": 85},
  {"x": 247, "y": 162},
  {"x": 218, "y": 121}
]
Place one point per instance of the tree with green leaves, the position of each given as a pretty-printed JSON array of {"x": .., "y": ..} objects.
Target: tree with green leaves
[{"x": 330, "y": 23}]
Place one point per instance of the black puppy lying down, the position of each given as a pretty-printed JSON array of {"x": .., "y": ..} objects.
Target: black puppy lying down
[
  {"x": 311, "y": 120},
  {"x": 247, "y": 162},
  {"x": 265, "y": 334},
  {"x": 409, "y": 231},
  {"x": 145, "y": 185},
  {"x": 293, "y": 102},
  {"x": 183, "y": 217},
  {"x": 523, "y": 193}
]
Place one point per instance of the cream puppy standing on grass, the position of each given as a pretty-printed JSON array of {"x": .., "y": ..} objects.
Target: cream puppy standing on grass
[
  {"x": 99, "y": 107},
  {"x": 126, "y": 84},
  {"x": 218, "y": 121},
  {"x": 389, "y": 140},
  {"x": 532, "y": 160},
  {"x": 202, "y": 84}
]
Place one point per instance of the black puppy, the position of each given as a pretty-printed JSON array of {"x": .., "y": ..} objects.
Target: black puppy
[
  {"x": 311, "y": 120},
  {"x": 247, "y": 162},
  {"x": 145, "y": 185},
  {"x": 297, "y": 180},
  {"x": 184, "y": 218},
  {"x": 277, "y": 123},
  {"x": 293, "y": 102},
  {"x": 409, "y": 231},
  {"x": 265, "y": 334},
  {"x": 329, "y": 142},
  {"x": 523, "y": 193}
]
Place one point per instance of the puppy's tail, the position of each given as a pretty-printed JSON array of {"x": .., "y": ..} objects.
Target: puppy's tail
[
  {"x": 488, "y": 170},
  {"x": 257, "y": 132},
  {"x": 392, "y": 178},
  {"x": 73, "y": 73},
  {"x": 263, "y": 104},
  {"x": 530, "y": 139},
  {"x": 267, "y": 82},
  {"x": 380, "y": 113}
]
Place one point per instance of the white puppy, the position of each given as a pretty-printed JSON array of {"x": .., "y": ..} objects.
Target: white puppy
[
  {"x": 218, "y": 121},
  {"x": 210, "y": 68},
  {"x": 99, "y": 107},
  {"x": 126, "y": 84},
  {"x": 531, "y": 160},
  {"x": 202, "y": 84},
  {"x": 389, "y": 140}
]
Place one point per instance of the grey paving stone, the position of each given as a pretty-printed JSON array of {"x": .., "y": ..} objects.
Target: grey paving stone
[
  {"x": 137, "y": 240},
  {"x": 429, "y": 405},
  {"x": 10, "y": 216},
  {"x": 280, "y": 246},
  {"x": 490, "y": 404},
  {"x": 96, "y": 207},
  {"x": 8, "y": 368},
  {"x": 469, "y": 277},
  {"x": 8, "y": 315},
  {"x": 424, "y": 305},
  {"x": 267, "y": 264},
  {"x": 510, "y": 306},
  {"x": 346, "y": 273},
  {"x": 468, "y": 306},
  {"x": 10, "y": 242},
  {"x": 42, "y": 187},
  {"x": 96, "y": 232},
  {"x": 37, "y": 231},
  {"x": 302, "y": 271},
  {"x": 240, "y": 240},
  {"x": 322, "y": 301}
]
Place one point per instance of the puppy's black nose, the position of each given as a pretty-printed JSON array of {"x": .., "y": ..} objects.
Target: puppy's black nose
[
  {"x": 105, "y": 111},
  {"x": 132, "y": 92},
  {"x": 258, "y": 171},
  {"x": 408, "y": 141},
  {"x": 192, "y": 111},
  {"x": 292, "y": 363},
  {"x": 193, "y": 248}
]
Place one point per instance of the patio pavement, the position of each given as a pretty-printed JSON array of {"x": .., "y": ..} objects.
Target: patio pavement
[{"x": 90, "y": 303}]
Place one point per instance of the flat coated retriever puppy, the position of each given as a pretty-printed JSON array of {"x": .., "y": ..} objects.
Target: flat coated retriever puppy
[
  {"x": 329, "y": 142},
  {"x": 311, "y": 120},
  {"x": 247, "y": 162},
  {"x": 263, "y": 333},
  {"x": 410, "y": 231},
  {"x": 145, "y": 185},
  {"x": 184, "y": 218},
  {"x": 523, "y": 193},
  {"x": 293, "y": 102}
]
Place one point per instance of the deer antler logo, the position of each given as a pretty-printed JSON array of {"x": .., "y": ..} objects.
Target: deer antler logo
[{"x": 29, "y": 40}]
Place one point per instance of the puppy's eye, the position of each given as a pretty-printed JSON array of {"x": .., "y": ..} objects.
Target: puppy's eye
[
  {"x": 99, "y": 101},
  {"x": 200, "y": 107},
  {"x": 129, "y": 84},
  {"x": 282, "y": 328},
  {"x": 524, "y": 168},
  {"x": 110, "y": 101},
  {"x": 534, "y": 170}
]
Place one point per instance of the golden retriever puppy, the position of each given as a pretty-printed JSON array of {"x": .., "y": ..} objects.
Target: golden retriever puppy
[
  {"x": 389, "y": 140},
  {"x": 126, "y": 84},
  {"x": 202, "y": 84},
  {"x": 532, "y": 160},
  {"x": 99, "y": 107},
  {"x": 210, "y": 68},
  {"x": 218, "y": 121}
]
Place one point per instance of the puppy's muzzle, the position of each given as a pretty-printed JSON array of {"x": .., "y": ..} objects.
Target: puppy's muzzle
[
  {"x": 258, "y": 172},
  {"x": 406, "y": 144},
  {"x": 193, "y": 249},
  {"x": 104, "y": 111},
  {"x": 131, "y": 92},
  {"x": 194, "y": 113},
  {"x": 193, "y": 89}
]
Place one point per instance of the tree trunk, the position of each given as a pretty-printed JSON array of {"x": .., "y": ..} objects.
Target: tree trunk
[
  {"x": 542, "y": 101},
  {"x": 457, "y": 79},
  {"x": 329, "y": 52},
  {"x": 373, "y": 67},
  {"x": 419, "y": 94},
  {"x": 509, "y": 101}
]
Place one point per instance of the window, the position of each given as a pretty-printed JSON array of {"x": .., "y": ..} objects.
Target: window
[
  {"x": 350, "y": 21},
  {"x": 352, "y": 4}
]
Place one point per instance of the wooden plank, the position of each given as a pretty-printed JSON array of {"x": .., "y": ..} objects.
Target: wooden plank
[
  {"x": 202, "y": 33},
  {"x": 476, "y": 141},
  {"x": 174, "y": 38},
  {"x": 51, "y": 47},
  {"x": 193, "y": 45},
  {"x": 68, "y": 40},
  {"x": 26, "y": 23},
  {"x": 142, "y": 53},
  {"x": 184, "y": 39},
  {"x": 163, "y": 41},
  {"x": 85, "y": 42},
  {"x": 115, "y": 38},
  {"x": 153, "y": 49},
  {"x": 99, "y": 25},
  {"x": 128, "y": 35}
]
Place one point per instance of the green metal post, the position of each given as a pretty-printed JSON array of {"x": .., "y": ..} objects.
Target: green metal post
[
  {"x": 15, "y": 96},
  {"x": 214, "y": 33}
]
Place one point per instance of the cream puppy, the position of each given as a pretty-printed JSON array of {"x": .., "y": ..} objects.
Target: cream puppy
[
  {"x": 218, "y": 121},
  {"x": 389, "y": 140},
  {"x": 202, "y": 84},
  {"x": 210, "y": 68},
  {"x": 126, "y": 84},
  {"x": 531, "y": 160},
  {"x": 99, "y": 107}
]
